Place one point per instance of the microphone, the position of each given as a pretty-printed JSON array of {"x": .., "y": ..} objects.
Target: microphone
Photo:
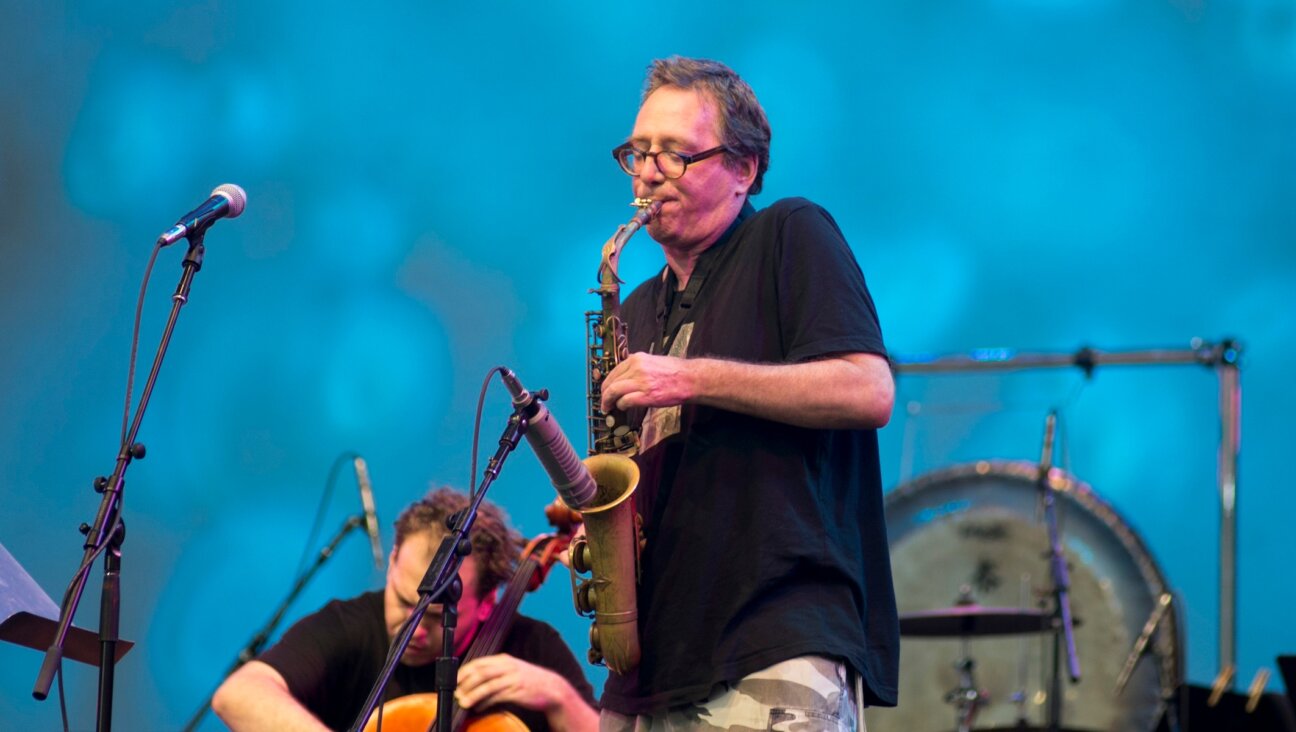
[
  {"x": 370, "y": 516},
  {"x": 227, "y": 200},
  {"x": 568, "y": 474},
  {"x": 1046, "y": 456}
]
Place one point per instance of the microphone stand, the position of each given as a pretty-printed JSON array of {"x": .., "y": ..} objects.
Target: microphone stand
[
  {"x": 109, "y": 531},
  {"x": 441, "y": 584},
  {"x": 254, "y": 646},
  {"x": 1061, "y": 585}
]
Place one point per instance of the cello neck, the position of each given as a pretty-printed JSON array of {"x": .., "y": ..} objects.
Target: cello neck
[
  {"x": 529, "y": 574},
  {"x": 492, "y": 633}
]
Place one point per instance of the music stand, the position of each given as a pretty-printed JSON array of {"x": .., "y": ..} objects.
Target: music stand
[{"x": 28, "y": 617}]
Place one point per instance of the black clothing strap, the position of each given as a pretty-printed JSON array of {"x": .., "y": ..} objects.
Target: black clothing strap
[{"x": 673, "y": 307}]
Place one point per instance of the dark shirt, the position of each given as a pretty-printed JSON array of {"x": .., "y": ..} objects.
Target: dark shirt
[
  {"x": 332, "y": 658},
  {"x": 765, "y": 541}
]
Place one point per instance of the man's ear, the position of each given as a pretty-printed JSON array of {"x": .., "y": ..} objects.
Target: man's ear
[
  {"x": 746, "y": 168},
  {"x": 391, "y": 563}
]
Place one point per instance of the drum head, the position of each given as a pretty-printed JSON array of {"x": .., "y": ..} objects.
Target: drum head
[{"x": 978, "y": 530}]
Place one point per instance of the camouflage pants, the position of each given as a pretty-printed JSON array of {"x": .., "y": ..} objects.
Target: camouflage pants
[{"x": 806, "y": 694}]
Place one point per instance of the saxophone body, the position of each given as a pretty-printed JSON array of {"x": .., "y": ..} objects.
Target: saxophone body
[{"x": 609, "y": 551}]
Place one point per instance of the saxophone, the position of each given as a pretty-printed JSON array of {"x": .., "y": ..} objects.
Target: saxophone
[{"x": 609, "y": 550}]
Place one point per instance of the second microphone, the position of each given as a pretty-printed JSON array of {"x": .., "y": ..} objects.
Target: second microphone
[{"x": 568, "y": 474}]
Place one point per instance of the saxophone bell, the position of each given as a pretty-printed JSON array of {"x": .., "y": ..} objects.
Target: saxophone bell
[{"x": 609, "y": 553}]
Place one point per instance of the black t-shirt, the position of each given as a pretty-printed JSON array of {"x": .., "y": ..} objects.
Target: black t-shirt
[
  {"x": 765, "y": 541},
  {"x": 332, "y": 658}
]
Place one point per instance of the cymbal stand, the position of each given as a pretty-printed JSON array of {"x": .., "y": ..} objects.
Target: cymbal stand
[
  {"x": 1018, "y": 697},
  {"x": 1141, "y": 644},
  {"x": 1064, "y": 630},
  {"x": 966, "y": 698}
]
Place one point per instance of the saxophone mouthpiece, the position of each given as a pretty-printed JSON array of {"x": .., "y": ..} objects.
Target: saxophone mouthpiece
[{"x": 648, "y": 208}]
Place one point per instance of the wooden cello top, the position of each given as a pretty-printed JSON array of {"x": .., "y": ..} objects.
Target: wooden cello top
[{"x": 418, "y": 713}]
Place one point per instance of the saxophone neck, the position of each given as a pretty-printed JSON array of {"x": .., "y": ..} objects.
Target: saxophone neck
[
  {"x": 608, "y": 277},
  {"x": 648, "y": 208}
]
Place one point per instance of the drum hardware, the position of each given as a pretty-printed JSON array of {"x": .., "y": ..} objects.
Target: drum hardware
[
  {"x": 1140, "y": 645},
  {"x": 1018, "y": 697},
  {"x": 966, "y": 697},
  {"x": 1222, "y": 683},
  {"x": 1065, "y": 634},
  {"x": 1257, "y": 690},
  {"x": 965, "y": 620},
  {"x": 1029, "y": 728},
  {"x": 1224, "y": 357},
  {"x": 982, "y": 519}
]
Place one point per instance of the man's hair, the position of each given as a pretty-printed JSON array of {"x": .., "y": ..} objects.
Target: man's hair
[
  {"x": 495, "y": 545},
  {"x": 743, "y": 126}
]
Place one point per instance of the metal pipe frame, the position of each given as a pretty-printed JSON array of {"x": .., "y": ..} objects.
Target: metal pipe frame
[{"x": 1223, "y": 357}]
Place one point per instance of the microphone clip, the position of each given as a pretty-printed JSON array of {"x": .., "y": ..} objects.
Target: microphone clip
[{"x": 531, "y": 404}]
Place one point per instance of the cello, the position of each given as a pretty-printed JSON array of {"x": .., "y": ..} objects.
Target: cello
[{"x": 418, "y": 712}]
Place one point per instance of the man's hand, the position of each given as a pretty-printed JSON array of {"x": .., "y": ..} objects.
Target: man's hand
[
  {"x": 645, "y": 380},
  {"x": 503, "y": 679}
]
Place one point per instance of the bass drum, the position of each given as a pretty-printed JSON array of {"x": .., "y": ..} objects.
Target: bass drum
[{"x": 977, "y": 530}]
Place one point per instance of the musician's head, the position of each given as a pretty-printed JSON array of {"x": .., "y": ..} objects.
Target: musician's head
[
  {"x": 692, "y": 106},
  {"x": 744, "y": 130},
  {"x": 419, "y": 531}
]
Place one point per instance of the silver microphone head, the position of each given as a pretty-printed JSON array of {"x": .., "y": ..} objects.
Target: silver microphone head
[{"x": 236, "y": 196}]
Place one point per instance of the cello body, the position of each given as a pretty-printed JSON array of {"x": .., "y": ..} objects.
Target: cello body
[{"x": 418, "y": 713}]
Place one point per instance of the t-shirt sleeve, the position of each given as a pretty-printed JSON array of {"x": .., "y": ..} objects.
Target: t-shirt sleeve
[
  {"x": 824, "y": 305},
  {"x": 308, "y": 653}
]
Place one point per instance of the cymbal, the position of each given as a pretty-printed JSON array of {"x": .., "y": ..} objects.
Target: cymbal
[
  {"x": 1027, "y": 728},
  {"x": 974, "y": 620}
]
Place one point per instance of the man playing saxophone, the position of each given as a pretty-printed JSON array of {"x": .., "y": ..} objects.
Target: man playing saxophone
[{"x": 757, "y": 378}]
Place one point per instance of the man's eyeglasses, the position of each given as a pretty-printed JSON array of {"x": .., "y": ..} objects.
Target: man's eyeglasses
[{"x": 671, "y": 164}]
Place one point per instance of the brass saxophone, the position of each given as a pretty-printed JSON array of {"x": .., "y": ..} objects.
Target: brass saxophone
[{"x": 609, "y": 551}]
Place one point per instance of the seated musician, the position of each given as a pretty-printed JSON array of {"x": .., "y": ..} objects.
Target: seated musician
[{"x": 320, "y": 673}]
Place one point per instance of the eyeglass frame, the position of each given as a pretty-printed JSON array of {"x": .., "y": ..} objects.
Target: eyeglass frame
[{"x": 685, "y": 157}]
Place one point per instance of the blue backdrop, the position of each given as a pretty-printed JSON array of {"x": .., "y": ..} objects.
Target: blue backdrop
[{"x": 429, "y": 187}]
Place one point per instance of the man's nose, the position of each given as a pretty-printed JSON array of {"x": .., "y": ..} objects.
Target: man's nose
[
  {"x": 427, "y": 624},
  {"x": 649, "y": 173}
]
